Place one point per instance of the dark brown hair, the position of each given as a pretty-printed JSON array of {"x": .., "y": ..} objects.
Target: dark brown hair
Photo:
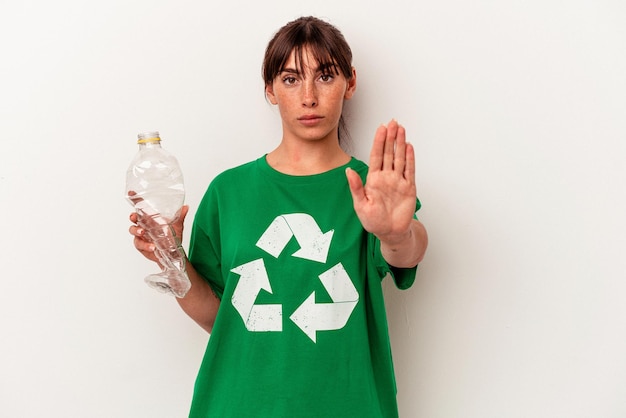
[{"x": 324, "y": 41}]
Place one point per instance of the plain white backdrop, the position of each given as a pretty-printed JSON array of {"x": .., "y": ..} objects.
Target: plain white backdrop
[{"x": 517, "y": 113}]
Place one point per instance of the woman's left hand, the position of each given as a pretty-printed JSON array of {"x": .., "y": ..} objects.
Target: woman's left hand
[{"x": 385, "y": 205}]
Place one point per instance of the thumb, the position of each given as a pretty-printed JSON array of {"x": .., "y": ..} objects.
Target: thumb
[
  {"x": 179, "y": 222},
  {"x": 183, "y": 212},
  {"x": 356, "y": 186}
]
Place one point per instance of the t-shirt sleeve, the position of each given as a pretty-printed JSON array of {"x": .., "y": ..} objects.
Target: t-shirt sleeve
[
  {"x": 402, "y": 277},
  {"x": 204, "y": 245}
]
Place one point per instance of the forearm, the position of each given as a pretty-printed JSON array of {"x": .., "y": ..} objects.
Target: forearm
[
  {"x": 200, "y": 303},
  {"x": 407, "y": 250}
]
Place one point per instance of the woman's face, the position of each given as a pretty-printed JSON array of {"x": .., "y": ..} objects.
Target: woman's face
[{"x": 310, "y": 98}]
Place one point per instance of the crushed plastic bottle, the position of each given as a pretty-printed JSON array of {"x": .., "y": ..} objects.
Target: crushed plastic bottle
[{"x": 155, "y": 188}]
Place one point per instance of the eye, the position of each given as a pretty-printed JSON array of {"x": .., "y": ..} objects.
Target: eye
[
  {"x": 289, "y": 80},
  {"x": 326, "y": 78}
]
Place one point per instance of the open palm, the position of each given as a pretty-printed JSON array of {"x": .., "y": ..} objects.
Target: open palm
[{"x": 385, "y": 205}]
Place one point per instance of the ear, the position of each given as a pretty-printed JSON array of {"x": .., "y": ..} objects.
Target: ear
[
  {"x": 269, "y": 93},
  {"x": 351, "y": 88}
]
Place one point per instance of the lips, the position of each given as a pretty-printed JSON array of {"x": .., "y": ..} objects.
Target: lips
[{"x": 310, "y": 119}]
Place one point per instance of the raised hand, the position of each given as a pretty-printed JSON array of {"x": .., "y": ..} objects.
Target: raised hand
[{"x": 385, "y": 205}]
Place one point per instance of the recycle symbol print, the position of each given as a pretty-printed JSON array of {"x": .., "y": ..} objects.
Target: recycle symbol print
[{"x": 310, "y": 317}]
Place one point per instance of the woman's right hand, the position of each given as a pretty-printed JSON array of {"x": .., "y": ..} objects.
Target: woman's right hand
[{"x": 142, "y": 242}]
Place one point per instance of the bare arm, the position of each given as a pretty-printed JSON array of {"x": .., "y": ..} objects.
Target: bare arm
[
  {"x": 385, "y": 205},
  {"x": 200, "y": 303},
  {"x": 407, "y": 250}
]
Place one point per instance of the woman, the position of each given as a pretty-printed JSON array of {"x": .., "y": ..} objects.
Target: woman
[{"x": 286, "y": 272}]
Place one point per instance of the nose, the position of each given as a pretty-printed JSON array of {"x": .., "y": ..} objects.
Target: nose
[{"x": 309, "y": 93}]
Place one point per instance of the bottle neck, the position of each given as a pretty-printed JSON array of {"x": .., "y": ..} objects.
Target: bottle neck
[
  {"x": 150, "y": 139},
  {"x": 149, "y": 143}
]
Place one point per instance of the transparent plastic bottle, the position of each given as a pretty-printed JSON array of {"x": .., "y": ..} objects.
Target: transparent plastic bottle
[{"x": 155, "y": 188}]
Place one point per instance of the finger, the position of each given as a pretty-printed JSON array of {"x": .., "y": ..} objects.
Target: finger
[
  {"x": 390, "y": 143},
  {"x": 356, "y": 186},
  {"x": 183, "y": 213},
  {"x": 136, "y": 231},
  {"x": 399, "y": 161},
  {"x": 179, "y": 222},
  {"x": 134, "y": 197},
  {"x": 378, "y": 148},
  {"x": 143, "y": 246},
  {"x": 409, "y": 168}
]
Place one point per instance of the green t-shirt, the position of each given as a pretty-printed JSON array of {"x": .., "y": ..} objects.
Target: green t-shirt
[{"x": 301, "y": 330}]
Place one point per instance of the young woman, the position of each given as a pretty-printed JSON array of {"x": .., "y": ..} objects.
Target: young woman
[{"x": 288, "y": 252}]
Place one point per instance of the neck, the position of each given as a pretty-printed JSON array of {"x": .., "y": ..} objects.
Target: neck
[{"x": 307, "y": 158}]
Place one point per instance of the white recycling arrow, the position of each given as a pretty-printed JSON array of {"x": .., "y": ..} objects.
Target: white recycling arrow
[
  {"x": 311, "y": 317},
  {"x": 314, "y": 244},
  {"x": 253, "y": 279}
]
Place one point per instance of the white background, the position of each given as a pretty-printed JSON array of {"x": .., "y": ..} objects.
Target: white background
[{"x": 517, "y": 111}]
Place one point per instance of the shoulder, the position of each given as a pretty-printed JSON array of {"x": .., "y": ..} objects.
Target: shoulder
[
  {"x": 233, "y": 178},
  {"x": 231, "y": 182},
  {"x": 240, "y": 172}
]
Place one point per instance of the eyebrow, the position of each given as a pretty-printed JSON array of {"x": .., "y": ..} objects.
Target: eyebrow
[
  {"x": 322, "y": 68},
  {"x": 328, "y": 67},
  {"x": 289, "y": 70}
]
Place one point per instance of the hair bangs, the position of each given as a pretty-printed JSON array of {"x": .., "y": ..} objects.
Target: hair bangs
[
  {"x": 320, "y": 55},
  {"x": 324, "y": 42}
]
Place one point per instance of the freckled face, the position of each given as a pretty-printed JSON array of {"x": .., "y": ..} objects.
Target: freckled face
[{"x": 310, "y": 99}]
